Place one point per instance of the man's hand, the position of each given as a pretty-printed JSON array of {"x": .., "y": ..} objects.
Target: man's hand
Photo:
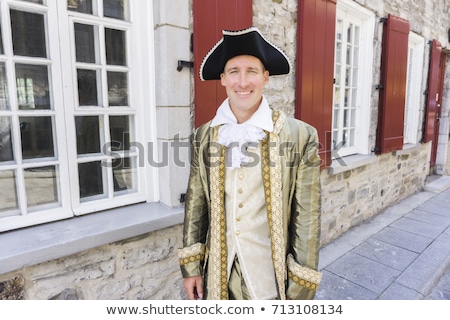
[{"x": 194, "y": 287}]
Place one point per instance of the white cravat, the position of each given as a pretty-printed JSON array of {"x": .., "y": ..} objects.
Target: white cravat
[{"x": 237, "y": 137}]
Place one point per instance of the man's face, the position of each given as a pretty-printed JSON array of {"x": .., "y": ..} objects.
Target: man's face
[{"x": 244, "y": 78}]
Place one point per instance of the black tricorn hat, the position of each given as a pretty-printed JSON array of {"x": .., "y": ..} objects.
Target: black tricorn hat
[{"x": 243, "y": 42}]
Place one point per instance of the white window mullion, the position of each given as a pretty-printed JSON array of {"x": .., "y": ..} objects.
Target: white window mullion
[
  {"x": 69, "y": 82},
  {"x": 20, "y": 184}
]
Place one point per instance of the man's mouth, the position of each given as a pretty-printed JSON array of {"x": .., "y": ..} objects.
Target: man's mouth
[{"x": 243, "y": 93}]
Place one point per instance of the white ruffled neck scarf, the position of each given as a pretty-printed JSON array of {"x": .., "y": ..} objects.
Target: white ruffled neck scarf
[{"x": 238, "y": 136}]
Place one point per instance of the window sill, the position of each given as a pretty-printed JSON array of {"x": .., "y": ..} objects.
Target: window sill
[
  {"x": 407, "y": 149},
  {"x": 350, "y": 162},
  {"x": 42, "y": 243}
]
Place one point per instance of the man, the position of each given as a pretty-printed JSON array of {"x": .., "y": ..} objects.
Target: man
[{"x": 252, "y": 216}]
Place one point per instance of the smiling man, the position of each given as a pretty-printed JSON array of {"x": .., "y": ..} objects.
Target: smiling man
[{"x": 252, "y": 215}]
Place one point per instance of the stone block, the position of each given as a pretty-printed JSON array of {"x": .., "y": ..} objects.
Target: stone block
[
  {"x": 12, "y": 289},
  {"x": 66, "y": 294}
]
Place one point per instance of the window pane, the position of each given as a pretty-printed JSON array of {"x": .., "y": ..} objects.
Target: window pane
[
  {"x": 345, "y": 137},
  {"x": 336, "y": 113},
  {"x": 37, "y": 137},
  {"x": 338, "y": 53},
  {"x": 1, "y": 42},
  {"x": 88, "y": 134},
  {"x": 337, "y": 75},
  {"x": 337, "y": 97},
  {"x": 346, "y": 118},
  {"x": 336, "y": 146},
  {"x": 6, "y": 153},
  {"x": 120, "y": 132},
  {"x": 114, "y": 9},
  {"x": 84, "y": 43},
  {"x": 115, "y": 47},
  {"x": 347, "y": 76},
  {"x": 357, "y": 32},
  {"x": 351, "y": 137},
  {"x": 339, "y": 28},
  {"x": 353, "y": 116},
  {"x": 84, "y": 6},
  {"x": 91, "y": 179},
  {"x": 124, "y": 174},
  {"x": 41, "y": 185},
  {"x": 34, "y": 1},
  {"x": 28, "y": 34},
  {"x": 87, "y": 87},
  {"x": 32, "y": 87},
  {"x": 4, "y": 98},
  {"x": 117, "y": 89},
  {"x": 8, "y": 195},
  {"x": 349, "y": 33}
]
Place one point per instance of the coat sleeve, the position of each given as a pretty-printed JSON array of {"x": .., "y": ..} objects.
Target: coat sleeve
[
  {"x": 196, "y": 221},
  {"x": 304, "y": 228}
]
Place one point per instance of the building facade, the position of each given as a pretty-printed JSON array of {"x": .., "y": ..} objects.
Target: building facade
[{"x": 99, "y": 98}]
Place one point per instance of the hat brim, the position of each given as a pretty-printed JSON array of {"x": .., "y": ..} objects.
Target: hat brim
[{"x": 244, "y": 42}]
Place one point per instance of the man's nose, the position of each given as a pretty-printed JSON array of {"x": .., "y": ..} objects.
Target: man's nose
[{"x": 243, "y": 79}]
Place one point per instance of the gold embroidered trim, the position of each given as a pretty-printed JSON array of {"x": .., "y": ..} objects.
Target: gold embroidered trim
[
  {"x": 193, "y": 253},
  {"x": 303, "y": 276},
  {"x": 218, "y": 274},
  {"x": 271, "y": 169}
]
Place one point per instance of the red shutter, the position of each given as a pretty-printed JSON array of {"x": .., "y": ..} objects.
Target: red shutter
[
  {"x": 315, "y": 68},
  {"x": 433, "y": 91},
  {"x": 210, "y": 18},
  {"x": 394, "y": 59}
]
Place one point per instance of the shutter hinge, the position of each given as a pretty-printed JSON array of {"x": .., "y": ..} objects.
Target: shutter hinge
[
  {"x": 183, "y": 198},
  {"x": 379, "y": 86},
  {"x": 182, "y": 64},
  {"x": 383, "y": 20}
]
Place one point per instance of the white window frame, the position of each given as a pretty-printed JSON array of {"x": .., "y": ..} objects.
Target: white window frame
[
  {"x": 350, "y": 11},
  {"x": 46, "y": 213},
  {"x": 416, "y": 49},
  {"x": 63, "y": 82}
]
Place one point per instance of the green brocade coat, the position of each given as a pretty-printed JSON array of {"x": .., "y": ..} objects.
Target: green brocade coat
[{"x": 290, "y": 167}]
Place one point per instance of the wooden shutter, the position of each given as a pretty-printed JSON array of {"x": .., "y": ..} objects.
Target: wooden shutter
[
  {"x": 433, "y": 91},
  {"x": 315, "y": 68},
  {"x": 392, "y": 88},
  {"x": 210, "y": 18}
]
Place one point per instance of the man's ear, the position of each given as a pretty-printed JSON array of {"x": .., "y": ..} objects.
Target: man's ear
[
  {"x": 266, "y": 76},
  {"x": 222, "y": 75}
]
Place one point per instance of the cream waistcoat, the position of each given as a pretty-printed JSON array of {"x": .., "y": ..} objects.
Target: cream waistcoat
[{"x": 248, "y": 233}]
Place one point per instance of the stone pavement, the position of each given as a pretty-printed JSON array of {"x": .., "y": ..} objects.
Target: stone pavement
[{"x": 401, "y": 254}]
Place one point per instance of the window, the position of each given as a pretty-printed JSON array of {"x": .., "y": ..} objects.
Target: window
[
  {"x": 71, "y": 100},
  {"x": 413, "y": 87},
  {"x": 353, "y": 76}
]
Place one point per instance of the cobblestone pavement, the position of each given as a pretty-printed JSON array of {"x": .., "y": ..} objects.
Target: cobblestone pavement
[{"x": 401, "y": 254}]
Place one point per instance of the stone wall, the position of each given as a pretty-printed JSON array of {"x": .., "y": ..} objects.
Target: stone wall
[
  {"x": 447, "y": 163},
  {"x": 144, "y": 267},
  {"x": 354, "y": 196}
]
